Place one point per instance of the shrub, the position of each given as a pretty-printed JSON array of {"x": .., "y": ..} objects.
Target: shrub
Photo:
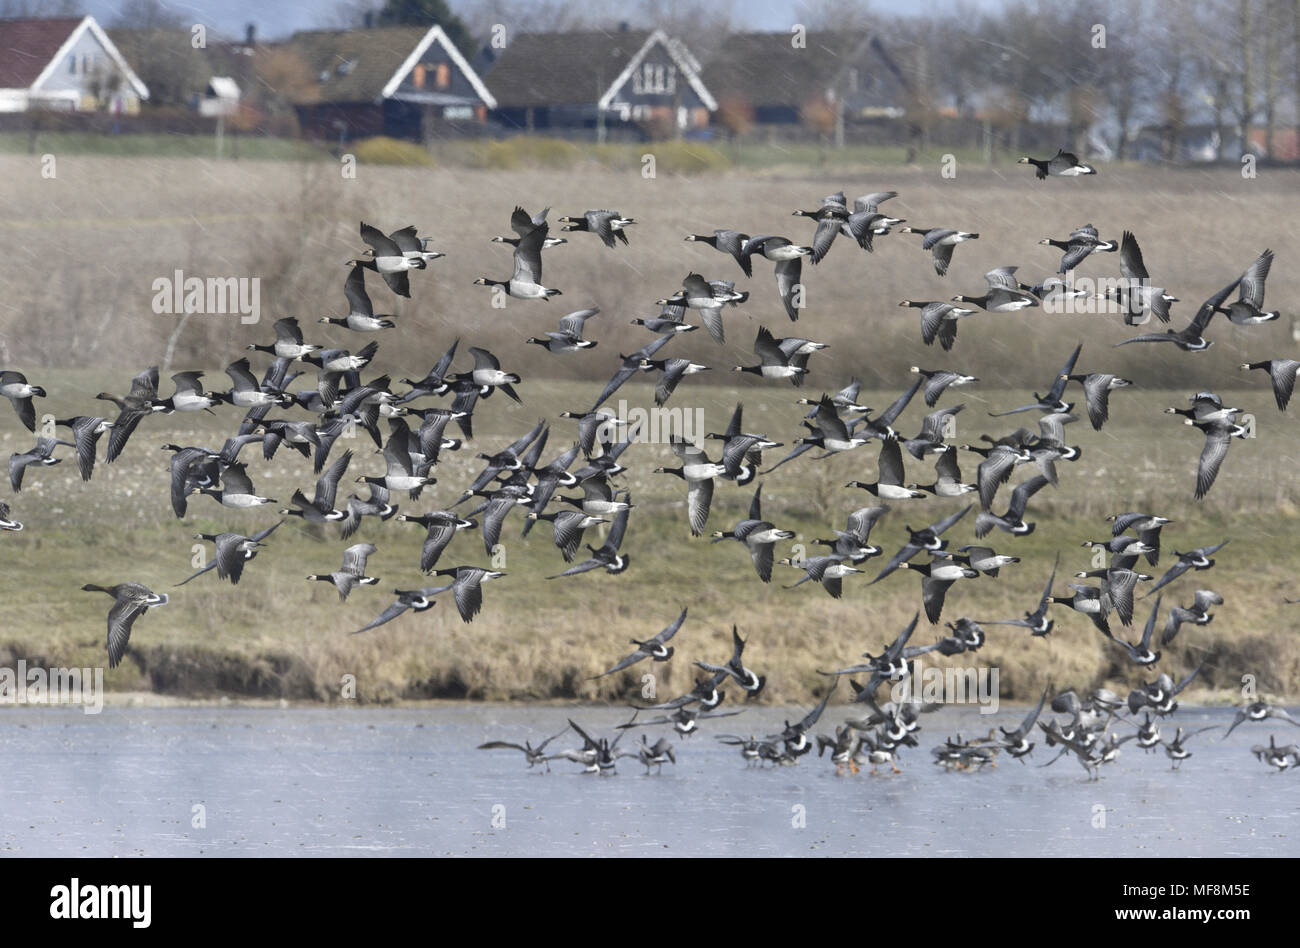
[{"x": 381, "y": 150}]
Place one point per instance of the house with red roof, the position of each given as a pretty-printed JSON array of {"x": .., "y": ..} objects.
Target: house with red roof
[{"x": 65, "y": 64}]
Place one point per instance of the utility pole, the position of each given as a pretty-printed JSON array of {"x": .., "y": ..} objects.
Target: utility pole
[{"x": 1247, "y": 68}]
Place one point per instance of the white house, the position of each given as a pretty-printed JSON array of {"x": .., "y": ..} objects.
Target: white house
[{"x": 65, "y": 64}]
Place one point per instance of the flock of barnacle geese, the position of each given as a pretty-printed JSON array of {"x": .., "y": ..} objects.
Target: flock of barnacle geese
[{"x": 518, "y": 475}]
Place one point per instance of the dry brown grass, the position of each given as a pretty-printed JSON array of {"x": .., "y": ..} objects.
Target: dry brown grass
[{"x": 84, "y": 248}]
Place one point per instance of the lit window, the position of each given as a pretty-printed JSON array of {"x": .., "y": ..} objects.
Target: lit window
[{"x": 443, "y": 74}]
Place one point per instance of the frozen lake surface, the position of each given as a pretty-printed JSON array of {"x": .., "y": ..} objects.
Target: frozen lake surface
[{"x": 409, "y": 782}]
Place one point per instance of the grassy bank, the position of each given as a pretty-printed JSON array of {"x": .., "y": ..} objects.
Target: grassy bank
[
  {"x": 85, "y": 247},
  {"x": 276, "y": 635}
]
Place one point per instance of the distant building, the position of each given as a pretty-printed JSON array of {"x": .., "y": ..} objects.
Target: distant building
[
  {"x": 774, "y": 80},
  {"x": 396, "y": 81},
  {"x": 635, "y": 80},
  {"x": 1203, "y": 142},
  {"x": 66, "y": 64},
  {"x": 220, "y": 98}
]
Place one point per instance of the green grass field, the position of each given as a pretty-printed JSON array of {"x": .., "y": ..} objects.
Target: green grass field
[
  {"x": 276, "y": 635},
  {"x": 162, "y": 145},
  {"x": 86, "y": 246}
]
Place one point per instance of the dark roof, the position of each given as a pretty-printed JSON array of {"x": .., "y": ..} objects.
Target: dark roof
[
  {"x": 357, "y": 63},
  {"x": 577, "y": 68},
  {"x": 27, "y": 46},
  {"x": 765, "y": 69}
]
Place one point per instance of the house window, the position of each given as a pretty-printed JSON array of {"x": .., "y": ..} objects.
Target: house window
[
  {"x": 417, "y": 77},
  {"x": 72, "y": 65},
  {"x": 654, "y": 79},
  {"x": 443, "y": 76}
]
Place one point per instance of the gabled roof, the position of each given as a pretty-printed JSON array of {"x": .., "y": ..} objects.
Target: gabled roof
[
  {"x": 32, "y": 49},
  {"x": 766, "y": 69},
  {"x": 572, "y": 68},
  {"x": 436, "y": 35},
  {"x": 679, "y": 54},
  {"x": 369, "y": 65},
  {"x": 28, "y": 46}
]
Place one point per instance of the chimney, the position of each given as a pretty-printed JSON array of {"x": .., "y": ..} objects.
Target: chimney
[
  {"x": 250, "y": 34},
  {"x": 623, "y": 26},
  {"x": 369, "y": 20}
]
